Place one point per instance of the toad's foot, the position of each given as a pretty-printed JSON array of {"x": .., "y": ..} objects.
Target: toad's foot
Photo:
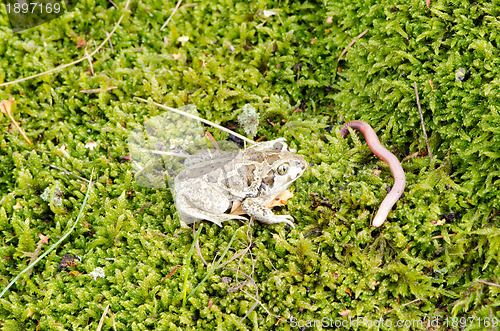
[{"x": 256, "y": 209}]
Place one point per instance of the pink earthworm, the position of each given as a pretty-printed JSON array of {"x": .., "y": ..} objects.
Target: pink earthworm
[{"x": 386, "y": 156}]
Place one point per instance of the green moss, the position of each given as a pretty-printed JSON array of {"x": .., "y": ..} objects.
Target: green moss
[{"x": 436, "y": 256}]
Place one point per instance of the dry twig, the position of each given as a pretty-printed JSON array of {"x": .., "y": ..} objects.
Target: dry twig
[
  {"x": 69, "y": 173},
  {"x": 488, "y": 283},
  {"x": 352, "y": 43},
  {"x": 422, "y": 120},
  {"x": 98, "y": 90},
  {"x": 197, "y": 247},
  {"x": 101, "y": 322},
  {"x": 256, "y": 297},
  {"x": 74, "y": 62},
  {"x": 409, "y": 157},
  {"x": 171, "y": 15},
  {"x": 89, "y": 58},
  {"x": 404, "y": 305},
  {"x": 114, "y": 4},
  {"x": 6, "y": 107},
  {"x": 178, "y": 111},
  {"x": 34, "y": 256},
  {"x": 110, "y": 43},
  {"x": 441, "y": 236}
]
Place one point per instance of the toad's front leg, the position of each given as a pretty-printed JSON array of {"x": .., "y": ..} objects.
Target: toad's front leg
[{"x": 255, "y": 207}]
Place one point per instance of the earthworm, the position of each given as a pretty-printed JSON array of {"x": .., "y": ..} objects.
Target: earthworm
[{"x": 386, "y": 156}]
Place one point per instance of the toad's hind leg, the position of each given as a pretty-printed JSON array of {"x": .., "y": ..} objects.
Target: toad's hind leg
[{"x": 191, "y": 209}]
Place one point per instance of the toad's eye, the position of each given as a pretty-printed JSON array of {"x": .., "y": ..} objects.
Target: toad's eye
[{"x": 283, "y": 168}]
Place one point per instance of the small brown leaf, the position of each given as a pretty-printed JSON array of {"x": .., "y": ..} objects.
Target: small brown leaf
[
  {"x": 5, "y": 106},
  {"x": 44, "y": 239},
  {"x": 210, "y": 303},
  {"x": 172, "y": 272},
  {"x": 80, "y": 42},
  {"x": 17, "y": 206},
  {"x": 344, "y": 312},
  {"x": 280, "y": 200}
]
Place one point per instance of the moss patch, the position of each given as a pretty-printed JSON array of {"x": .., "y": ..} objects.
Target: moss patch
[{"x": 436, "y": 257}]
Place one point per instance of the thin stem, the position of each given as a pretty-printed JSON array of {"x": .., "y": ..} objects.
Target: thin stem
[
  {"x": 211, "y": 271},
  {"x": 171, "y": 15},
  {"x": 186, "y": 269},
  {"x": 57, "y": 243},
  {"x": 197, "y": 118},
  {"x": 422, "y": 120},
  {"x": 77, "y": 61}
]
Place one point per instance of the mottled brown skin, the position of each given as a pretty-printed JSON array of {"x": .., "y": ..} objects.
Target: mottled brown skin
[
  {"x": 213, "y": 180},
  {"x": 389, "y": 158}
]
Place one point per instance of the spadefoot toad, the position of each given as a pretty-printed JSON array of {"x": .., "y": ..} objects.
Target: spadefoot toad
[{"x": 212, "y": 180}]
